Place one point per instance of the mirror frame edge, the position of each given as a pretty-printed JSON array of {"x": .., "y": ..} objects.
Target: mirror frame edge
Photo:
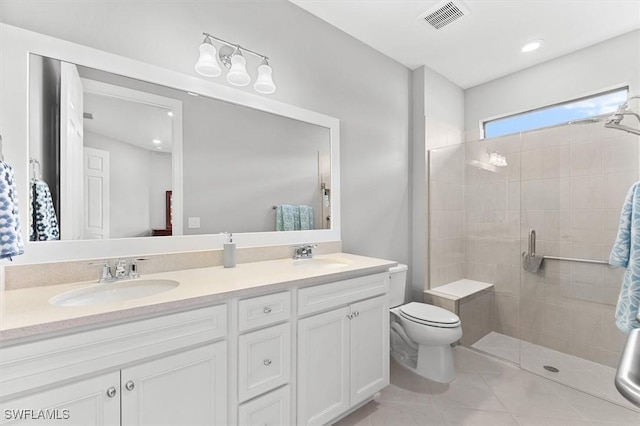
[{"x": 16, "y": 44}]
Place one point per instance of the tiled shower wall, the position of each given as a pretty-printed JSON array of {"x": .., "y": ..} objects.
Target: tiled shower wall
[
  {"x": 446, "y": 237},
  {"x": 566, "y": 182}
]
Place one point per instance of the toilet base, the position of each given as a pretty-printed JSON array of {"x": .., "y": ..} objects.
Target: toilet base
[
  {"x": 436, "y": 363},
  {"x": 433, "y": 363}
]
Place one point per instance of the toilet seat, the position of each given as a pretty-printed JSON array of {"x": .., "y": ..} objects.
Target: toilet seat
[{"x": 430, "y": 315}]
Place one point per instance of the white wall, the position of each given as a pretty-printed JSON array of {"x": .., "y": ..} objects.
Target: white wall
[
  {"x": 315, "y": 66},
  {"x": 577, "y": 74}
]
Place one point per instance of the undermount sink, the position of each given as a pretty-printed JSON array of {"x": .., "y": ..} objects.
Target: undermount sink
[
  {"x": 320, "y": 262},
  {"x": 113, "y": 292}
]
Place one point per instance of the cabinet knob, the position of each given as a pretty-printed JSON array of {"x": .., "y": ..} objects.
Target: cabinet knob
[
  {"x": 356, "y": 313},
  {"x": 350, "y": 316},
  {"x": 111, "y": 392},
  {"x": 130, "y": 385},
  {"x": 267, "y": 361},
  {"x": 266, "y": 310}
]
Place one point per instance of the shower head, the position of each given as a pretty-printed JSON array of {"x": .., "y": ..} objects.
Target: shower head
[{"x": 614, "y": 121}]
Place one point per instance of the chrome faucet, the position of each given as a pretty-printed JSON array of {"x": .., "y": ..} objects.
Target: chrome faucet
[
  {"x": 124, "y": 270},
  {"x": 304, "y": 251},
  {"x": 121, "y": 269}
]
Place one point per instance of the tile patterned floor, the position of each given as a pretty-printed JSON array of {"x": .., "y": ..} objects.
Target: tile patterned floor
[
  {"x": 485, "y": 392},
  {"x": 587, "y": 376}
]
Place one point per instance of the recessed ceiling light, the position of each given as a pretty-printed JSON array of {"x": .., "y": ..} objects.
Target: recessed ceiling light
[
  {"x": 157, "y": 141},
  {"x": 532, "y": 45},
  {"x": 170, "y": 113}
]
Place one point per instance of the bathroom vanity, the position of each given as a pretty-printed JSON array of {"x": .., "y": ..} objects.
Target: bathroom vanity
[{"x": 275, "y": 342}]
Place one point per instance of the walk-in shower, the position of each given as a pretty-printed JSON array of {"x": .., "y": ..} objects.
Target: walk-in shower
[{"x": 567, "y": 182}]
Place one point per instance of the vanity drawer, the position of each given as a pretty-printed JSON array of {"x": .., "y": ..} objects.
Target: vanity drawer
[
  {"x": 264, "y": 360},
  {"x": 264, "y": 310},
  {"x": 327, "y": 296},
  {"x": 272, "y": 409}
]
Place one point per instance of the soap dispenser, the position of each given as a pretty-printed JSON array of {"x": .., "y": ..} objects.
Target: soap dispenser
[{"x": 229, "y": 253}]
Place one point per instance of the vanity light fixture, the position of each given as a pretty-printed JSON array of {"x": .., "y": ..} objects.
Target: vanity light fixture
[{"x": 231, "y": 56}]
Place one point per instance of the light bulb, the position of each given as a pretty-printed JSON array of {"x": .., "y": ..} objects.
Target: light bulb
[
  {"x": 264, "y": 82},
  {"x": 238, "y": 75},
  {"x": 207, "y": 64}
]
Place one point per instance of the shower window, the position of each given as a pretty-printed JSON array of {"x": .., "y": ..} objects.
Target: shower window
[{"x": 574, "y": 110}]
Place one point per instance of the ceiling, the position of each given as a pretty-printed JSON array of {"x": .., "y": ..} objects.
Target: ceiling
[
  {"x": 128, "y": 121},
  {"x": 485, "y": 44}
]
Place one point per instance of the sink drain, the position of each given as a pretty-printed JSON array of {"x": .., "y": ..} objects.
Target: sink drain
[{"x": 551, "y": 368}]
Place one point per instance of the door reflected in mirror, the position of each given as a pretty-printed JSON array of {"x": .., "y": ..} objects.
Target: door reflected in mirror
[{"x": 123, "y": 158}]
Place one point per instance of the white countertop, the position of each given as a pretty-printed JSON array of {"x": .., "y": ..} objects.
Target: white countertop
[{"x": 27, "y": 312}]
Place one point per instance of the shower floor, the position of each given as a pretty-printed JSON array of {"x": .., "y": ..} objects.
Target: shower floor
[{"x": 586, "y": 376}]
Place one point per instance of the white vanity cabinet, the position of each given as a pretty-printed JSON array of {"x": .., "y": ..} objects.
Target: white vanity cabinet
[
  {"x": 264, "y": 360},
  {"x": 168, "y": 370},
  {"x": 343, "y": 353}
]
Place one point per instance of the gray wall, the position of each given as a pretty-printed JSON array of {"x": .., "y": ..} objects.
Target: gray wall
[
  {"x": 241, "y": 162},
  {"x": 137, "y": 180},
  {"x": 316, "y": 66}
]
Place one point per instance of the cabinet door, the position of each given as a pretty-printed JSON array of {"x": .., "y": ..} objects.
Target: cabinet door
[
  {"x": 188, "y": 388},
  {"x": 323, "y": 367},
  {"x": 83, "y": 403},
  {"x": 369, "y": 348}
]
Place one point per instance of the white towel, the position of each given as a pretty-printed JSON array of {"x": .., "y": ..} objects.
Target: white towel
[{"x": 10, "y": 235}]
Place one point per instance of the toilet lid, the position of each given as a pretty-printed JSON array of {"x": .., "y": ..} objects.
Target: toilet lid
[{"x": 429, "y": 314}]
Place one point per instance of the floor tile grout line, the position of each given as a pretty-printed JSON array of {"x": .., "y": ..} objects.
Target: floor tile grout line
[{"x": 498, "y": 398}]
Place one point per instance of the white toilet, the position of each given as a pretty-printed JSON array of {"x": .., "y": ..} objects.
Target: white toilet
[{"x": 421, "y": 334}]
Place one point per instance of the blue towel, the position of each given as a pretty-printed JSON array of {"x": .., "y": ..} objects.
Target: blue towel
[
  {"x": 306, "y": 218},
  {"x": 294, "y": 218},
  {"x": 626, "y": 254},
  {"x": 44, "y": 223},
  {"x": 10, "y": 236},
  {"x": 285, "y": 218}
]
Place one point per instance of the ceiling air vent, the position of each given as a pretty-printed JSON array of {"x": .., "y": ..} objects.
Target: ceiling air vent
[{"x": 444, "y": 13}]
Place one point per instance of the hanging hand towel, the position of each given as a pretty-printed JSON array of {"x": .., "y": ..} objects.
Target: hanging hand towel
[
  {"x": 44, "y": 223},
  {"x": 306, "y": 218},
  {"x": 285, "y": 218},
  {"x": 626, "y": 254},
  {"x": 10, "y": 236}
]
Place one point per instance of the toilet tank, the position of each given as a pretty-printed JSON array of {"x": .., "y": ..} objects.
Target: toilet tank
[{"x": 398, "y": 284}]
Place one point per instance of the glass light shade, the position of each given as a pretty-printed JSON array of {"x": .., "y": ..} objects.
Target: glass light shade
[
  {"x": 207, "y": 64},
  {"x": 264, "y": 82},
  {"x": 238, "y": 75}
]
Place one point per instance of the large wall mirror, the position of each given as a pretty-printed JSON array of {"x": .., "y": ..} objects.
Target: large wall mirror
[
  {"x": 104, "y": 146},
  {"x": 118, "y": 150}
]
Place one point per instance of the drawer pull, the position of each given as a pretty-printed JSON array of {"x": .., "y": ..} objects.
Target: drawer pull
[
  {"x": 267, "y": 361},
  {"x": 111, "y": 392},
  {"x": 130, "y": 385},
  {"x": 266, "y": 310}
]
